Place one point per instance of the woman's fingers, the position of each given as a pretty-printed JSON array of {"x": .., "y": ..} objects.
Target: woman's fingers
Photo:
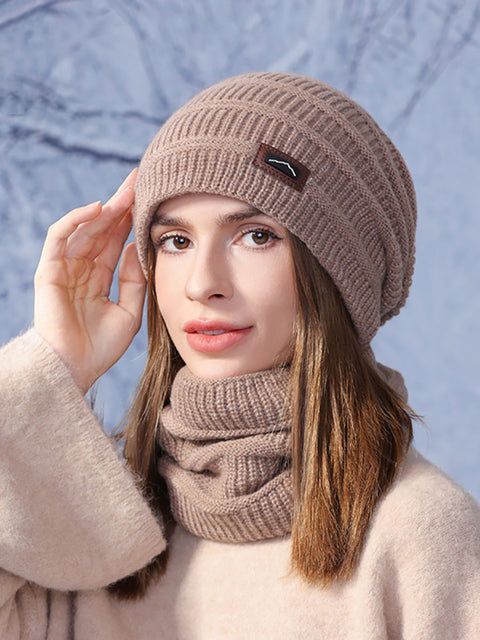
[
  {"x": 84, "y": 231},
  {"x": 107, "y": 240},
  {"x": 106, "y": 262},
  {"x": 111, "y": 253},
  {"x": 60, "y": 231},
  {"x": 90, "y": 239},
  {"x": 114, "y": 210}
]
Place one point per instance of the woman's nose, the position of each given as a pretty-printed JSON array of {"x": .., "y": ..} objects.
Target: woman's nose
[{"x": 208, "y": 276}]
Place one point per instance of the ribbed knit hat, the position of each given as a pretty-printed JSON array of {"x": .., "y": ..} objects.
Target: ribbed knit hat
[{"x": 310, "y": 157}]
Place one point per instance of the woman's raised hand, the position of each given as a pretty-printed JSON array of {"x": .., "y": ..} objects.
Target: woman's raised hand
[{"x": 73, "y": 312}]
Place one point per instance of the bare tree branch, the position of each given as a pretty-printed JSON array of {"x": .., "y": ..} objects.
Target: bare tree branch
[
  {"x": 371, "y": 26},
  {"x": 18, "y": 16},
  {"x": 443, "y": 53},
  {"x": 17, "y": 132}
]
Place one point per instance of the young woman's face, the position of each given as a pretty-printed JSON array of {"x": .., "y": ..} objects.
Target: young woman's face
[{"x": 224, "y": 283}]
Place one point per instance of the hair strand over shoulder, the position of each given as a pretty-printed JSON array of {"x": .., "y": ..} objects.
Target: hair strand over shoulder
[{"x": 350, "y": 430}]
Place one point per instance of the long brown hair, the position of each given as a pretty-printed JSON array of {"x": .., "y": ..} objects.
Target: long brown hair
[
  {"x": 350, "y": 430},
  {"x": 140, "y": 433}
]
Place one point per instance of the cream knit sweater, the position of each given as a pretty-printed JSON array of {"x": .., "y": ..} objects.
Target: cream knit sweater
[{"x": 72, "y": 522}]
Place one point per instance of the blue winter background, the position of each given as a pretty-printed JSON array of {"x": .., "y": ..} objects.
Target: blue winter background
[{"x": 84, "y": 85}]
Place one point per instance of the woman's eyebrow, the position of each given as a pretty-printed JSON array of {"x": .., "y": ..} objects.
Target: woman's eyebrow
[
  {"x": 228, "y": 218},
  {"x": 168, "y": 221},
  {"x": 223, "y": 219}
]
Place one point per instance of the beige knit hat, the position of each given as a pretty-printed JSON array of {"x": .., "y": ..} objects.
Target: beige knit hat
[{"x": 310, "y": 157}]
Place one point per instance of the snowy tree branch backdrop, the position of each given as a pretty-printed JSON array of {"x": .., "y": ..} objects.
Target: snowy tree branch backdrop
[{"x": 84, "y": 85}]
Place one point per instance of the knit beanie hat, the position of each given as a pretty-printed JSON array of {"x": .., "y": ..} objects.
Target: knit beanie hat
[{"x": 307, "y": 155}]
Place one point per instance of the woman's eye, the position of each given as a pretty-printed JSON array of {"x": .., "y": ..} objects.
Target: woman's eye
[
  {"x": 258, "y": 237},
  {"x": 173, "y": 243}
]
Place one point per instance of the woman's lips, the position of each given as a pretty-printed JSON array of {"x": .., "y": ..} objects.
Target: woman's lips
[{"x": 210, "y": 336}]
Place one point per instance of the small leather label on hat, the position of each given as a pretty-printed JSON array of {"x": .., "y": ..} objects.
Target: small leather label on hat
[{"x": 281, "y": 166}]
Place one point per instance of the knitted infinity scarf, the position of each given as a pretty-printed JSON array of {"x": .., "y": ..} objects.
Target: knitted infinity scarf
[{"x": 226, "y": 455}]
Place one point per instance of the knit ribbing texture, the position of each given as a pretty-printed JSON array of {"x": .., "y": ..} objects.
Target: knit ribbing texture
[
  {"x": 226, "y": 455},
  {"x": 356, "y": 211}
]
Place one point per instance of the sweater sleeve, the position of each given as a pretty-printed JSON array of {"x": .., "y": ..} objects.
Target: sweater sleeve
[
  {"x": 424, "y": 557},
  {"x": 71, "y": 516},
  {"x": 10, "y": 624}
]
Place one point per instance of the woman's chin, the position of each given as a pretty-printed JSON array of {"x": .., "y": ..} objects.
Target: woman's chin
[{"x": 215, "y": 368}]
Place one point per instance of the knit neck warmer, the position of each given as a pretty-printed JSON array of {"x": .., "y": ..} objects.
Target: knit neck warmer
[{"x": 226, "y": 455}]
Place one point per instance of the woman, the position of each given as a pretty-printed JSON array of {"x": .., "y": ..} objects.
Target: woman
[{"x": 271, "y": 490}]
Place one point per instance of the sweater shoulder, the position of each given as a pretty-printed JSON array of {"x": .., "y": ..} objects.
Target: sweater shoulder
[
  {"x": 421, "y": 558},
  {"x": 425, "y": 488},
  {"x": 428, "y": 510}
]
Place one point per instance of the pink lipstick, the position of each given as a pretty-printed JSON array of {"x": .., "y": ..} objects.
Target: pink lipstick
[{"x": 210, "y": 336}]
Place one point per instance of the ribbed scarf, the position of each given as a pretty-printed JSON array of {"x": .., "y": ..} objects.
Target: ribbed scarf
[
  {"x": 226, "y": 458},
  {"x": 227, "y": 454}
]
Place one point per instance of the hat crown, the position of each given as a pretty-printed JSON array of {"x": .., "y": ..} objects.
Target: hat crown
[{"x": 354, "y": 209}]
